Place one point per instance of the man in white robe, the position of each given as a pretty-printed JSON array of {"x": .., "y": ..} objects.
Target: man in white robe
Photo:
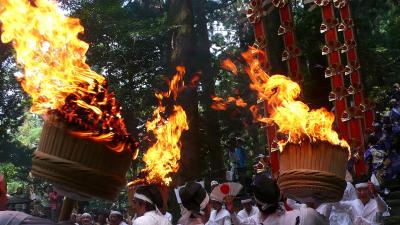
[
  {"x": 338, "y": 215},
  {"x": 302, "y": 216},
  {"x": 272, "y": 212},
  {"x": 195, "y": 205},
  {"x": 249, "y": 209},
  {"x": 146, "y": 202},
  {"x": 219, "y": 215},
  {"x": 116, "y": 218},
  {"x": 368, "y": 208}
]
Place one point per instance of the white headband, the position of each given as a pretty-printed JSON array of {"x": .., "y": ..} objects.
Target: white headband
[
  {"x": 245, "y": 201},
  {"x": 143, "y": 197},
  {"x": 361, "y": 185},
  {"x": 204, "y": 203},
  {"x": 115, "y": 213}
]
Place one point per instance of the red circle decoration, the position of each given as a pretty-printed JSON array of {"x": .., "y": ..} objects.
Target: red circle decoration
[{"x": 224, "y": 189}]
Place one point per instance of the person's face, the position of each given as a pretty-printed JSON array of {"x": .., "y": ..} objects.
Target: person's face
[
  {"x": 138, "y": 207},
  {"x": 363, "y": 194},
  {"x": 115, "y": 220},
  {"x": 216, "y": 205},
  {"x": 247, "y": 206},
  {"x": 86, "y": 220},
  {"x": 79, "y": 218},
  {"x": 73, "y": 218}
]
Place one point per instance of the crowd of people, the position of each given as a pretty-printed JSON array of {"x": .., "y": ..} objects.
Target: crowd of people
[
  {"x": 361, "y": 204},
  {"x": 383, "y": 146}
]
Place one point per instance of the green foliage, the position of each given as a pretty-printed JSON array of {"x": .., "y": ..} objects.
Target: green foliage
[
  {"x": 12, "y": 175},
  {"x": 29, "y": 132}
]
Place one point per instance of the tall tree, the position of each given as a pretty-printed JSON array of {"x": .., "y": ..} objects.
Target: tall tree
[
  {"x": 210, "y": 118},
  {"x": 182, "y": 52}
]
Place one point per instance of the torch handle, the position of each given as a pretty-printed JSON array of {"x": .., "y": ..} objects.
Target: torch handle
[{"x": 66, "y": 210}]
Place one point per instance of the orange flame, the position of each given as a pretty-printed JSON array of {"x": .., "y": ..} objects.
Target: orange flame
[
  {"x": 221, "y": 104},
  {"x": 55, "y": 73},
  {"x": 293, "y": 117},
  {"x": 227, "y": 64},
  {"x": 162, "y": 158}
]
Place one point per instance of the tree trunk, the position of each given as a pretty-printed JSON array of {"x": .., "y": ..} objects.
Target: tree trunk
[
  {"x": 211, "y": 122},
  {"x": 182, "y": 52}
]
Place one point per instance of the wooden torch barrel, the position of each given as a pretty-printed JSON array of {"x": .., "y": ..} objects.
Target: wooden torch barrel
[
  {"x": 313, "y": 172},
  {"x": 79, "y": 166}
]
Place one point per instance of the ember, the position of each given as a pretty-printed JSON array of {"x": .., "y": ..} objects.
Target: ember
[{"x": 55, "y": 73}]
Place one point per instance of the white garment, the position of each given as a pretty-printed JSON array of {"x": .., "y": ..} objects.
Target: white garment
[
  {"x": 243, "y": 213},
  {"x": 295, "y": 205},
  {"x": 151, "y": 218},
  {"x": 221, "y": 218},
  {"x": 338, "y": 216},
  {"x": 193, "y": 221},
  {"x": 362, "y": 214},
  {"x": 122, "y": 223},
  {"x": 304, "y": 216},
  {"x": 168, "y": 216}
]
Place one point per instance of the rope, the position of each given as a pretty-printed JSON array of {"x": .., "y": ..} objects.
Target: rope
[{"x": 319, "y": 185}]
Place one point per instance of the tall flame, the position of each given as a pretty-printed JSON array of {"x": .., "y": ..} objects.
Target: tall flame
[
  {"x": 55, "y": 73},
  {"x": 293, "y": 117},
  {"x": 162, "y": 158}
]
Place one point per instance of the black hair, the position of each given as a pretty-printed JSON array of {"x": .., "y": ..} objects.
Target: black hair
[
  {"x": 362, "y": 179},
  {"x": 151, "y": 192},
  {"x": 266, "y": 191},
  {"x": 192, "y": 195},
  {"x": 373, "y": 140}
]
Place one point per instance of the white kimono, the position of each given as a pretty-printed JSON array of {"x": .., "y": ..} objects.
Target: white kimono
[
  {"x": 337, "y": 215},
  {"x": 151, "y": 218},
  {"x": 243, "y": 213},
  {"x": 223, "y": 217},
  {"x": 302, "y": 216},
  {"x": 361, "y": 214}
]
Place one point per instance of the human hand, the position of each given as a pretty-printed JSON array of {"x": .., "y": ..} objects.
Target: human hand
[{"x": 372, "y": 189}]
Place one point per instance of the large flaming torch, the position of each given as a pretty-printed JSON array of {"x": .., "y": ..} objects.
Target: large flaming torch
[
  {"x": 313, "y": 157},
  {"x": 84, "y": 149}
]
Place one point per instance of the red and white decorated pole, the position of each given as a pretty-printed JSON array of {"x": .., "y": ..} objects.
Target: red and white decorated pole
[
  {"x": 353, "y": 66},
  {"x": 255, "y": 14},
  {"x": 335, "y": 70},
  {"x": 291, "y": 52},
  {"x": 361, "y": 113}
]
